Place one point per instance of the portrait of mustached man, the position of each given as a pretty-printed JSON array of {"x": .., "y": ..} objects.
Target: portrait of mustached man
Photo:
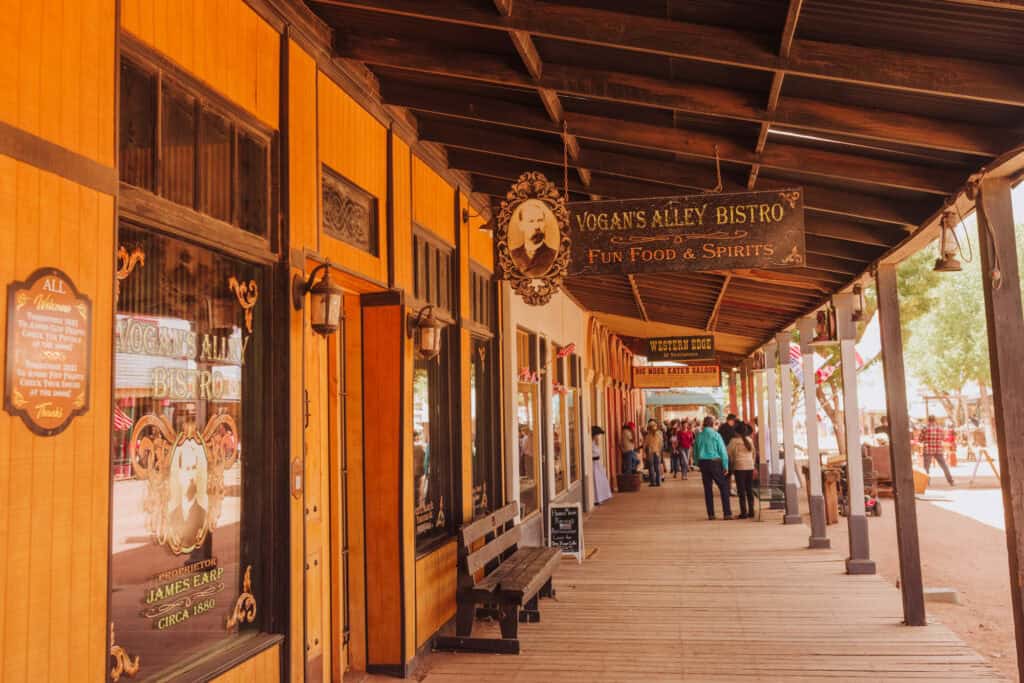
[{"x": 535, "y": 225}]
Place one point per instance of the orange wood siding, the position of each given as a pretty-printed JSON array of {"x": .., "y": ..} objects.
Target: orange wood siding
[
  {"x": 383, "y": 355},
  {"x": 353, "y": 378},
  {"x": 435, "y": 591},
  {"x": 222, "y": 42},
  {"x": 54, "y": 506},
  {"x": 408, "y": 506},
  {"x": 303, "y": 177},
  {"x": 433, "y": 201},
  {"x": 296, "y": 652},
  {"x": 354, "y": 144},
  {"x": 402, "y": 180},
  {"x": 481, "y": 242},
  {"x": 57, "y": 72},
  {"x": 263, "y": 668},
  {"x": 316, "y": 505}
]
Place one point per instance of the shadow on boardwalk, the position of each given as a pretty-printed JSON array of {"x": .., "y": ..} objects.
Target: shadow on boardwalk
[{"x": 670, "y": 596}]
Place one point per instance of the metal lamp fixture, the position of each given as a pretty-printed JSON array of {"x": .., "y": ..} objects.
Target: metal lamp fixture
[
  {"x": 858, "y": 304},
  {"x": 425, "y": 330},
  {"x": 948, "y": 246},
  {"x": 324, "y": 300}
]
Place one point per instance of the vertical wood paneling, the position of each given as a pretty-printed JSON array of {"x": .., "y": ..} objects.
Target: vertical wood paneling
[
  {"x": 354, "y": 408},
  {"x": 433, "y": 201},
  {"x": 435, "y": 591},
  {"x": 53, "y": 536},
  {"x": 57, "y": 72},
  {"x": 355, "y": 144},
  {"x": 402, "y": 179},
  {"x": 382, "y": 364},
  {"x": 303, "y": 177},
  {"x": 231, "y": 48},
  {"x": 263, "y": 668},
  {"x": 296, "y": 630},
  {"x": 467, "y": 421},
  {"x": 481, "y": 243}
]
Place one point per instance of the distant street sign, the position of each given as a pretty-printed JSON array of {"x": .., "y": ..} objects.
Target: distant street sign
[{"x": 698, "y": 347}]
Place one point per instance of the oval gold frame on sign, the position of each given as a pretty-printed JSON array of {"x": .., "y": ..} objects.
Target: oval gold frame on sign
[{"x": 536, "y": 290}]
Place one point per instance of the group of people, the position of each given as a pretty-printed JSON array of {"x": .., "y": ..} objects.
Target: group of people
[{"x": 718, "y": 450}]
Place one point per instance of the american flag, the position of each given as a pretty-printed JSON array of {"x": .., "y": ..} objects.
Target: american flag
[
  {"x": 795, "y": 362},
  {"x": 122, "y": 422}
]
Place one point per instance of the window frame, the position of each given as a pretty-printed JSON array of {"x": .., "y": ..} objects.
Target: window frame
[
  {"x": 537, "y": 442},
  {"x": 264, "y": 528},
  {"x": 149, "y": 205}
]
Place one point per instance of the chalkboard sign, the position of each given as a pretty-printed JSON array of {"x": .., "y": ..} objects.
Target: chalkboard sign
[{"x": 567, "y": 529}]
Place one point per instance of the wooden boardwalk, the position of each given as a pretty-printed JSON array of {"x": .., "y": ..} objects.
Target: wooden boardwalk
[{"x": 670, "y": 596}]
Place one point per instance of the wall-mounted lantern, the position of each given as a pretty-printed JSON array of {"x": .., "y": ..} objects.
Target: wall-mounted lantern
[
  {"x": 324, "y": 300},
  {"x": 425, "y": 331},
  {"x": 948, "y": 246},
  {"x": 858, "y": 303}
]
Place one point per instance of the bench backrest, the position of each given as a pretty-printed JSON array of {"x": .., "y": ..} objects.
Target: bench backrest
[{"x": 504, "y": 537}]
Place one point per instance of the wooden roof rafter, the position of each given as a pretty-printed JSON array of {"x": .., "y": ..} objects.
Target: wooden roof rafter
[
  {"x": 876, "y": 67},
  {"x": 877, "y": 129}
]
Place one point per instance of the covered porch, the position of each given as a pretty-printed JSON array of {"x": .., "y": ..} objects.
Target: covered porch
[{"x": 666, "y": 595}]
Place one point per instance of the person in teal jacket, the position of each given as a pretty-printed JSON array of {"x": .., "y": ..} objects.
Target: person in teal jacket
[{"x": 713, "y": 461}]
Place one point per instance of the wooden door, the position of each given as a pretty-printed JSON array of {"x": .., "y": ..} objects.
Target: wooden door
[{"x": 316, "y": 509}]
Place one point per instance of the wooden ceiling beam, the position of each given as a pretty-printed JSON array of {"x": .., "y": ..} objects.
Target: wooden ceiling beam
[
  {"x": 524, "y": 45},
  {"x": 851, "y": 251},
  {"x": 801, "y": 114},
  {"x": 636, "y": 298},
  {"x": 876, "y": 235},
  {"x": 713, "y": 318},
  {"x": 784, "y": 157},
  {"x": 683, "y": 178},
  {"x": 869, "y": 66}
]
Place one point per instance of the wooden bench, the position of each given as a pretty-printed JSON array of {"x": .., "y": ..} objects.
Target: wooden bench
[{"x": 504, "y": 580}]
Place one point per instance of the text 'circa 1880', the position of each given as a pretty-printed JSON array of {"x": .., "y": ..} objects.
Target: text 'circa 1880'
[{"x": 688, "y": 233}]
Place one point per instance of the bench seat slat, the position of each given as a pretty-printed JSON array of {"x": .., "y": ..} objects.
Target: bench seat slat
[
  {"x": 478, "y": 560},
  {"x": 521, "y": 575},
  {"x": 473, "y": 532}
]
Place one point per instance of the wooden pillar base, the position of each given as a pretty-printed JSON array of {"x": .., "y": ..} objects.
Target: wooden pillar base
[
  {"x": 860, "y": 561},
  {"x": 792, "y": 505},
  {"x": 819, "y": 537}
]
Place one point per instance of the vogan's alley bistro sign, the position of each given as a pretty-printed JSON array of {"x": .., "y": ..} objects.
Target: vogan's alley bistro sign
[
  {"x": 540, "y": 239},
  {"x": 688, "y": 233}
]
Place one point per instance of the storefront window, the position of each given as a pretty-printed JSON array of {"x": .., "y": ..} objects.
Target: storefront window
[
  {"x": 572, "y": 423},
  {"x": 558, "y": 429},
  {"x": 527, "y": 407},
  {"x": 190, "y": 435},
  {"x": 486, "y": 461},
  {"x": 431, "y": 446}
]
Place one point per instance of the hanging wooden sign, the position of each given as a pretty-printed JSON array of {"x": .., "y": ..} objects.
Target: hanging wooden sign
[
  {"x": 677, "y": 376},
  {"x": 699, "y": 347},
  {"x": 531, "y": 243},
  {"x": 688, "y": 233},
  {"x": 49, "y": 338}
]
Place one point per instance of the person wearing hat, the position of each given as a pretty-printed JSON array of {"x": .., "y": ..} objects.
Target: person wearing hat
[{"x": 602, "y": 489}]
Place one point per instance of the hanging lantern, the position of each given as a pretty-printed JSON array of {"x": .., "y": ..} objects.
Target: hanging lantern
[
  {"x": 825, "y": 327},
  {"x": 948, "y": 246},
  {"x": 858, "y": 303},
  {"x": 325, "y": 299},
  {"x": 426, "y": 332}
]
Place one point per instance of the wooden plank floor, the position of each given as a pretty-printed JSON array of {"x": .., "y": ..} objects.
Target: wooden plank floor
[{"x": 670, "y": 596}]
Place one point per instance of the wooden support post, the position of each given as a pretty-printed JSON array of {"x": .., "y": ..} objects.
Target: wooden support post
[
  {"x": 901, "y": 457},
  {"x": 751, "y": 409},
  {"x": 859, "y": 561},
  {"x": 771, "y": 412},
  {"x": 732, "y": 391},
  {"x": 792, "y": 516},
  {"x": 762, "y": 431},
  {"x": 1005, "y": 323},
  {"x": 815, "y": 497}
]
